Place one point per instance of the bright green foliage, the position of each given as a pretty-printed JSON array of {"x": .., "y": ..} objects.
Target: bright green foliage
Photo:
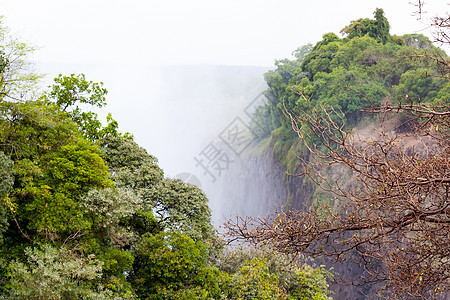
[
  {"x": 73, "y": 90},
  {"x": 310, "y": 283},
  {"x": 295, "y": 279},
  {"x": 254, "y": 281},
  {"x": 43, "y": 203},
  {"x": 76, "y": 168},
  {"x": 170, "y": 265},
  {"x": 418, "y": 85},
  {"x": 51, "y": 187},
  {"x": 72, "y": 94},
  {"x": 33, "y": 128}
]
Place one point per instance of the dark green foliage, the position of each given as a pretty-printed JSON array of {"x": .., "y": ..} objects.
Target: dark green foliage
[
  {"x": 6, "y": 172},
  {"x": 6, "y": 184}
]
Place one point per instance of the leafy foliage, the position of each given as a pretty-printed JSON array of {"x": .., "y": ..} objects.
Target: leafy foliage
[
  {"x": 130, "y": 165},
  {"x": 6, "y": 183},
  {"x": 54, "y": 274},
  {"x": 377, "y": 28},
  {"x": 73, "y": 94},
  {"x": 183, "y": 207},
  {"x": 71, "y": 90},
  {"x": 260, "y": 272},
  {"x": 169, "y": 265},
  {"x": 86, "y": 213},
  {"x": 254, "y": 281},
  {"x": 6, "y": 172}
]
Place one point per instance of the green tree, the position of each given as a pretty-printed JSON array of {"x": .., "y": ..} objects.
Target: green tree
[
  {"x": 48, "y": 198},
  {"x": 182, "y": 207},
  {"x": 254, "y": 281},
  {"x": 381, "y": 26},
  {"x": 377, "y": 28},
  {"x": 418, "y": 85},
  {"x": 170, "y": 265},
  {"x": 73, "y": 94},
  {"x": 87, "y": 213},
  {"x": 129, "y": 164},
  {"x": 73, "y": 90}
]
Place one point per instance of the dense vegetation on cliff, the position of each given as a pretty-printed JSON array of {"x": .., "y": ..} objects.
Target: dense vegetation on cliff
[
  {"x": 85, "y": 213},
  {"x": 365, "y": 68}
]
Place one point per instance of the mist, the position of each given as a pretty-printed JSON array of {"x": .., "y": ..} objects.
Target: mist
[{"x": 179, "y": 113}]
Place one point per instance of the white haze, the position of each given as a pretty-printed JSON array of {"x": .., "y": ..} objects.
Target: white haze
[
  {"x": 232, "y": 32},
  {"x": 171, "y": 66}
]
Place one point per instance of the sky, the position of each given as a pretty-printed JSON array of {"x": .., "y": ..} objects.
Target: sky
[{"x": 229, "y": 32}]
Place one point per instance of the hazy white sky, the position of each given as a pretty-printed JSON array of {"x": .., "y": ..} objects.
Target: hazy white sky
[{"x": 233, "y": 32}]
